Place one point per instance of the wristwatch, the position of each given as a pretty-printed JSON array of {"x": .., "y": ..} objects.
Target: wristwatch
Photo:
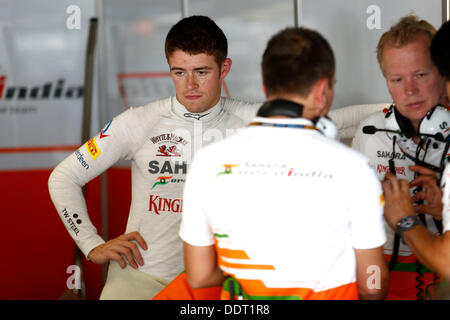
[{"x": 407, "y": 223}]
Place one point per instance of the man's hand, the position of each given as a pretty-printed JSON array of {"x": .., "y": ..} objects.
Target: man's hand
[
  {"x": 397, "y": 201},
  {"x": 115, "y": 248},
  {"x": 431, "y": 192}
]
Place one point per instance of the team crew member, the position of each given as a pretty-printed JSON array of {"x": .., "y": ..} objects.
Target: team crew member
[
  {"x": 255, "y": 217},
  {"x": 160, "y": 140},
  {"x": 416, "y": 88},
  {"x": 433, "y": 251}
]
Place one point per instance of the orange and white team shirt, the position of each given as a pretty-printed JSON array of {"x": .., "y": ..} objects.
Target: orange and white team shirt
[{"x": 285, "y": 209}]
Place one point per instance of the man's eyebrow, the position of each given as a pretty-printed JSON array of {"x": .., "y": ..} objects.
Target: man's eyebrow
[
  {"x": 203, "y": 68},
  {"x": 177, "y": 68},
  {"x": 195, "y": 69}
]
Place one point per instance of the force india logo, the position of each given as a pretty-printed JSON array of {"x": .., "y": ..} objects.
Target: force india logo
[
  {"x": 228, "y": 168},
  {"x": 166, "y": 180},
  {"x": 158, "y": 204}
]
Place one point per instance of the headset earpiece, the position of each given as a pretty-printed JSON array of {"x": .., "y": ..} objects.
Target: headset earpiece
[
  {"x": 436, "y": 122},
  {"x": 327, "y": 127}
]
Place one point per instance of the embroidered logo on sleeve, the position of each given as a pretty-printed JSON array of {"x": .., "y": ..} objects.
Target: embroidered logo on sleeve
[
  {"x": 103, "y": 132},
  {"x": 92, "y": 148}
]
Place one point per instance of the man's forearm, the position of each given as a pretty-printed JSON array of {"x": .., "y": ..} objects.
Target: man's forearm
[
  {"x": 215, "y": 279},
  {"x": 432, "y": 251}
]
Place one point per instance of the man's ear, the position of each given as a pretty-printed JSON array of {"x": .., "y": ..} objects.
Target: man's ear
[
  {"x": 264, "y": 88},
  {"x": 320, "y": 93},
  {"x": 226, "y": 67}
]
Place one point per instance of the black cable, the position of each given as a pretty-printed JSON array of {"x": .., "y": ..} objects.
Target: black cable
[
  {"x": 395, "y": 251},
  {"x": 396, "y": 247},
  {"x": 419, "y": 286}
]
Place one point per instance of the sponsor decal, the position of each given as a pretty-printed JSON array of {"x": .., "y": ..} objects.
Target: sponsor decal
[
  {"x": 169, "y": 145},
  {"x": 46, "y": 91},
  {"x": 165, "y": 151},
  {"x": 280, "y": 170},
  {"x": 388, "y": 111},
  {"x": 158, "y": 205},
  {"x": 444, "y": 126},
  {"x": 197, "y": 116},
  {"x": 273, "y": 169},
  {"x": 384, "y": 169},
  {"x": 102, "y": 133},
  {"x": 72, "y": 223},
  {"x": 388, "y": 154},
  {"x": 228, "y": 168},
  {"x": 93, "y": 149},
  {"x": 167, "y": 167},
  {"x": 166, "y": 180},
  {"x": 169, "y": 137},
  {"x": 81, "y": 160}
]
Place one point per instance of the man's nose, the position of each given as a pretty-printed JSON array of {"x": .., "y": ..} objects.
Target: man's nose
[
  {"x": 411, "y": 87},
  {"x": 191, "y": 82}
]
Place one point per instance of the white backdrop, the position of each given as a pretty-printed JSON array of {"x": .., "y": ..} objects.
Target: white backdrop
[{"x": 42, "y": 60}]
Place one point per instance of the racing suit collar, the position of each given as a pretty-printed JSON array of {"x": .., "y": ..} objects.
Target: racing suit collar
[
  {"x": 293, "y": 121},
  {"x": 210, "y": 114}
]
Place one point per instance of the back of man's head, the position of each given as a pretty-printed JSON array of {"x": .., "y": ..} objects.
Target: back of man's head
[
  {"x": 406, "y": 31},
  {"x": 196, "y": 35},
  {"x": 294, "y": 60},
  {"x": 440, "y": 50}
]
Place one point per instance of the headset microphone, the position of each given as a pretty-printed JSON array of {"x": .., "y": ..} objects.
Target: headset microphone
[{"x": 372, "y": 130}]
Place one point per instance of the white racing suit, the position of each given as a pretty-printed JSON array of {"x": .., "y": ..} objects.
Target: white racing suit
[
  {"x": 408, "y": 279},
  {"x": 160, "y": 140}
]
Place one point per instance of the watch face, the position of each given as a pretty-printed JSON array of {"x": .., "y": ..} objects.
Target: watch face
[{"x": 407, "y": 222}]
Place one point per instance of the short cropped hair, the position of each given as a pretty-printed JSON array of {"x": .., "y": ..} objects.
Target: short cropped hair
[
  {"x": 440, "y": 50},
  {"x": 406, "y": 31},
  {"x": 295, "y": 59},
  {"x": 196, "y": 35}
]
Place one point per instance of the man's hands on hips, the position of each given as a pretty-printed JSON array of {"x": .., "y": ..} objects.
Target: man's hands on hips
[
  {"x": 431, "y": 192},
  {"x": 397, "y": 202},
  {"x": 119, "y": 247}
]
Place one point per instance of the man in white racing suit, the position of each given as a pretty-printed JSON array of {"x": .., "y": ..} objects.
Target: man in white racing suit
[
  {"x": 416, "y": 88},
  {"x": 433, "y": 251},
  {"x": 160, "y": 140}
]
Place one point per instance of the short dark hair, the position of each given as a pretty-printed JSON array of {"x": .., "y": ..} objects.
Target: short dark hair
[
  {"x": 295, "y": 59},
  {"x": 196, "y": 35},
  {"x": 440, "y": 50}
]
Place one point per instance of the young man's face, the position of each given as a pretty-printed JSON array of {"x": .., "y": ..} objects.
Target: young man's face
[
  {"x": 198, "y": 79},
  {"x": 412, "y": 79}
]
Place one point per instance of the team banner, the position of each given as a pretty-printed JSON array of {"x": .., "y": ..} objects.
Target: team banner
[{"x": 42, "y": 54}]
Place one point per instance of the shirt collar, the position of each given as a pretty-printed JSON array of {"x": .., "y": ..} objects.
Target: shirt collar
[
  {"x": 284, "y": 121},
  {"x": 186, "y": 115}
]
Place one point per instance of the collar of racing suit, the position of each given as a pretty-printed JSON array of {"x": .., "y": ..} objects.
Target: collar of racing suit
[{"x": 210, "y": 114}]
